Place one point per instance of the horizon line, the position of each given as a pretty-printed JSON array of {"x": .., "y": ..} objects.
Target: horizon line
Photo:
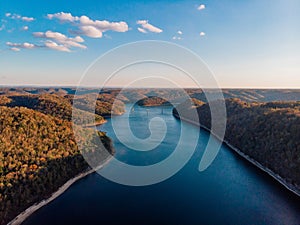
[{"x": 139, "y": 87}]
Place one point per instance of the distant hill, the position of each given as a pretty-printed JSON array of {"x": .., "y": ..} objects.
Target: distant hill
[
  {"x": 133, "y": 95},
  {"x": 50, "y": 104},
  {"x": 253, "y": 95},
  {"x": 60, "y": 106},
  {"x": 153, "y": 101},
  {"x": 105, "y": 105}
]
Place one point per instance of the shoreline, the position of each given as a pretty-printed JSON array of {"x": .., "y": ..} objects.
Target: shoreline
[
  {"x": 30, "y": 210},
  {"x": 292, "y": 188},
  {"x": 155, "y": 105},
  {"x": 96, "y": 124}
]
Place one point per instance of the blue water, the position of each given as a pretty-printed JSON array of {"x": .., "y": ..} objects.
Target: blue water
[{"x": 230, "y": 191}]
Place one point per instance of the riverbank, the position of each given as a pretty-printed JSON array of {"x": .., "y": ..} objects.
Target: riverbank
[
  {"x": 29, "y": 211},
  {"x": 102, "y": 121},
  {"x": 294, "y": 189},
  {"x": 96, "y": 124},
  {"x": 156, "y": 105}
]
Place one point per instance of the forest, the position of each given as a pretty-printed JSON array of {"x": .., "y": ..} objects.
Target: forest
[
  {"x": 268, "y": 132},
  {"x": 153, "y": 101},
  {"x": 38, "y": 148}
]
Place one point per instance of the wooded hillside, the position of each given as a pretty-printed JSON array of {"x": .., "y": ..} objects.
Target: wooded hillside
[
  {"x": 38, "y": 151},
  {"x": 267, "y": 132}
]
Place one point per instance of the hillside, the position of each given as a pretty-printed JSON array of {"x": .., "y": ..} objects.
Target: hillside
[
  {"x": 106, "y": 105},
  {"x": 38, "y": 154},
  {"x": 153, "y": 101},
  {"x": 50, "y": 104},
  {"x": 267, "y": 132}
]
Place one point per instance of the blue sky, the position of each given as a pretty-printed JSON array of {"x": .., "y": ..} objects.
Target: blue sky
[{"x": 245, "y": 43}]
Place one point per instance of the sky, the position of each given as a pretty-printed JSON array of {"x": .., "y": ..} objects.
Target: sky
[{"x": 247, "y": 44}]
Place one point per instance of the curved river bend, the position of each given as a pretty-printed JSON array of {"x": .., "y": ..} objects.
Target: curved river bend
[{"x": 230, "y": 191}]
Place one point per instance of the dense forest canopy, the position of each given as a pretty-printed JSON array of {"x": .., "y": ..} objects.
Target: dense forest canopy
[
  {"x": 38, "y": 149},
  {"x": 153, "y": 101},
  {"x": 104, "y": 106}
]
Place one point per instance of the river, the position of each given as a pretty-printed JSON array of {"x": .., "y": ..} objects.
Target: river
[{"x": 230, "y": 191}]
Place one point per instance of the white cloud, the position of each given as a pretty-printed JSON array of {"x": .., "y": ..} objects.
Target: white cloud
[
  {"x": 27, "y": 19},
  {"x": 178, "y": 35},
  {"x": 48, "y": 44},
  {"x": 176, "y": 38},
  {"x": 201, "y": 7},
  {"x": 62, "y": 39},
  {"x": 25, "y": 28},
  {"x": 104, "y": 25},
  {"x": 89, "y": 27},
  {"x": 63, "y": 17},
  {"x": 202, "y": 33},
  {"x": 90, "y": 31},
  {"x": 25, "y": 45},
  {"x": 96, "y": 28},
  {"x": 19, "y": 17},
  {"x": 147, "y": 26},
  {"x": 57, "y": 47},
  {"x": 142, "y": 30},
  {"x": 15, "y": 49}
]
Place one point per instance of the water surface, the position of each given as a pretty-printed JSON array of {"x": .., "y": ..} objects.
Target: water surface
[{"x": 230, "y": 191}]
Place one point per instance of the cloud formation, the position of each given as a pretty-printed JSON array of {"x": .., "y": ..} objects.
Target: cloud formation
[
  {"x": 15, "y": 49},
  {"x": 142, "y": 30},
  {"x": 19, "y": 17},
  {"x": 55, "y": 41},
  {"x": 89, "y": 31},
  {"x": 88, "y": 27},
  {"x": 201, "y": 7},
  {"x": 63, "y": 17},
  {"x": 202, "y": 33},
  {"x": 178, "y": 35},
  {"x": 18, "y": 46},
  {"x": 62, "y": 39},
  {"x": 27, "y": 19},
  {"x": 25, "y": 28},
  {"x": 57, "y": 47},
  {"x": 176, "y": 38},
  {"x": 146, "y": 26}
]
